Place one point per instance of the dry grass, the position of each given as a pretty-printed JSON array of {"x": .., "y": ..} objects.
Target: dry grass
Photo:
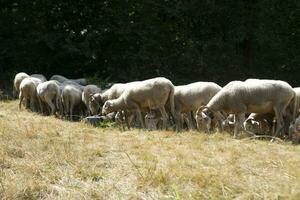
[{"x": 46, "y": 158}]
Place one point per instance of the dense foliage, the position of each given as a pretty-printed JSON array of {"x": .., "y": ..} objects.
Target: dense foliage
[{"x": 127, "y": 40}]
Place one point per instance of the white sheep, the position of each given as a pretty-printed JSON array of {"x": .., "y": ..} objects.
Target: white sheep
[
  {"x": 251, "y": 96},
  {"x": 152, "y": 119},
  {"x": 49, "y": 92},
  {"x": 62, "y": 79},
  {"x": 87, "y": 92},
  {"x": 294, "y": 130},
  {"x": 71, "y": 100},
  {"x": 97, "y": 100},
  {"x": 28, "y": 91},
  {"x": 260, "y": 124},
  {"x": 188, "y": 98},
  {"x": 39, "y": 76},
  {"x": 151, "y": 93},
  {"x": 17, "y": 81}
]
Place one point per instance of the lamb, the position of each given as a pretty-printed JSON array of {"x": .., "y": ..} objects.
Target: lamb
[
  {"x": 254, "y": 95},
  {"x": 97, "y": 100},
  {"x": 188, "y": 98},
  {"x": 62, "y": 79},
  {"x": 28, "y": 91},
  {"x": 39, "y": 76},
  {"x": 151, "y": 93},
  {"x": 19, "y": 77},
  {"x": 71, "y": 99},
  {"x": 49, "y": 92},
  {"x": 87, "y": 92}
]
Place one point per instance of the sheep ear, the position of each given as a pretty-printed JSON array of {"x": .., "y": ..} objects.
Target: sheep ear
[
  {"x": 203, "y": 115},
  {"x": 91, "y": 97},
  {"x": 200, "y": 109}
]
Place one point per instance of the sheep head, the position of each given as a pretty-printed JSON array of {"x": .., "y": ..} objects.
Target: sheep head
[
  {"x": 108, "y": 107},
  {"x": 203, "y": 118},
  {"x": 95, "y": 101}
]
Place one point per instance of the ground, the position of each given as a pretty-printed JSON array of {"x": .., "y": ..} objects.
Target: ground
[{"x": 47, "y": 158}]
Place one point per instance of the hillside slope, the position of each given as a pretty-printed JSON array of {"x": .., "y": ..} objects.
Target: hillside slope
[{"x": 44, "y": 157}]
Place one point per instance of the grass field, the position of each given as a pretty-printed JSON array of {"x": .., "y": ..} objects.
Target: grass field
[{"x": 47, "y": 158}]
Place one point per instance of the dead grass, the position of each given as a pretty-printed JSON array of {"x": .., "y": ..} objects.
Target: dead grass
[{"x": 46, "y": 158}]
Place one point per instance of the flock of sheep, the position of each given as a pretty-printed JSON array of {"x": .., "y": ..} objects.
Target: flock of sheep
[{"x": 257, "y": 106}]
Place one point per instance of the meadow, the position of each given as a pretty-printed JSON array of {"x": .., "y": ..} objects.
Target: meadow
[{"x": 42, "y": 157}]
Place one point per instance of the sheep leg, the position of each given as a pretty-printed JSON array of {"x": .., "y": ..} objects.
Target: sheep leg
[
  {"x": 219, "y": 119},
  {"x": 240, "y": 118},
  {"x": 21, "y": 97},
  {"x": 178, "y": 120},
  {"x": 279, "y": 120},
  {"x": 126, "y": 116},
  {"x": 32, "y": 104},
  {"x": 51, "y": 105},
  {"x": 237, "y": 125},
  {"x": 139, "y": 114},
  {"x": 190, "y": 121},
  {"x": 130, "y": 117},
  {"x": 41, "y": 105},
  {"x": 164, "y": 117},
  {"x": 71, "y": 111}
]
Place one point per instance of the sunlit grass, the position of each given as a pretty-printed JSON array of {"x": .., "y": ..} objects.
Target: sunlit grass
[{"x": 47, "y": 158}]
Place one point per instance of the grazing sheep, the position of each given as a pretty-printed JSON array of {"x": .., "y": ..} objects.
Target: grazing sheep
[
  {"x": 152, "y": 119},
  {"x": 87, "y": 92},
  {"x": 39, "y": 76},
  {"x": 17, "y": 81},
  {"x": 228, "y": 123},
  {"x": 295, "y": 102},
  {"x": 59, "y": 78},
  {"x": 71, "y": 100},
  {"x": 120, "y": 119},
  {"x": 260, "y": 124},
  {"x": 151, "y": 93},
  {"x": 28, "y": 91},
  {"x": 294, "y": 130},
  {"x": 188, "y": 98},
  {"x": 97, "y": 100},
  {"x": 257, "y": 96},
  {"x": 49, "y": 92},
  {"x": 62, "y": 79}
]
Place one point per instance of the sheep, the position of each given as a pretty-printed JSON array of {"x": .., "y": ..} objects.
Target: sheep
[
  {"x": 294, "y": 130},
  {"x": 151, "y": 93},
  {"x": 152, "y": 119},
  {"x": 290, "y": 109},
  {"x": 188, "y": 98},
  {"x": 260, "y": 124},
  {"x": 71, "y": 99},
  {"x": 62, "y": 79},
  {"x": 39, "y": 76},
  {"x": 28, "y": 91},
  {"x": 49, "y": 92},
  {"x": 87, "y": 92},
  {"x": 254, "y": 95},
  {"x": 17, "y": 81},
  {"x": 97, "y": 100},
  {"x": 228, "y": 123}
]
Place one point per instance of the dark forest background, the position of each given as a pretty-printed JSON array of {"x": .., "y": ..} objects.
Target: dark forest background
[{"x": 126, "y": 40}]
